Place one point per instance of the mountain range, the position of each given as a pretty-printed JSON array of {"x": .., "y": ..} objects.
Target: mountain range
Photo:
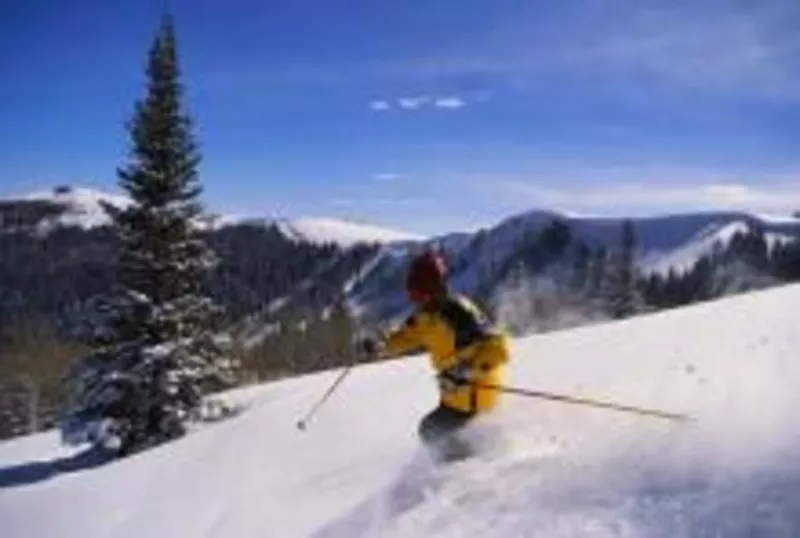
[
  {"x": 371, "y": 281},
  {"x": 297, "y": 292}
]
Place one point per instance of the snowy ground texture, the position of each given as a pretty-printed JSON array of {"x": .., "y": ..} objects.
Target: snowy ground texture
[{"x": 556, "y": 471}]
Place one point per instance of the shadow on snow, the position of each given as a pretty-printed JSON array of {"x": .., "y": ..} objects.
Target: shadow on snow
[{"x": 26, "y": 474}]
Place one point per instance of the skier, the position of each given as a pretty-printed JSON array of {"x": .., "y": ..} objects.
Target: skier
[{"x": 466, "y": 352}]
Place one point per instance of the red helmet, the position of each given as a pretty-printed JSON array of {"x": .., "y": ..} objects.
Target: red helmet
[{"x": 426, "y": 276}]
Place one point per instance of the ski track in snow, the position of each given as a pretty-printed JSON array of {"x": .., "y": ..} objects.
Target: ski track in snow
[{"x": 557, "y": 471}]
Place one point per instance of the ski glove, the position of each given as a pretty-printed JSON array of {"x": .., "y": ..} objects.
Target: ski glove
[
  {"x": 368, "y": 348},
  {"x": 456, "y": 376}
]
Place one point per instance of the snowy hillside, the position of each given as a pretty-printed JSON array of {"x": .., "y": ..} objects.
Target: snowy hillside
[
  {"x": 561, "y": 470},
  {"x": 475, "y": 259},
  {"x": 479, "y": 262},
  {"x": 84, "y": 208},
  {"x": 680, "y": 240},
  {"x": 340, "y": 232},
  {"x": 703, "y": 243}
]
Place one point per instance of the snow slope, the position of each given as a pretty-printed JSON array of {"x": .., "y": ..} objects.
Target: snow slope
[
  {"x": 557, "y": 471},
  {"x": 680, "y": 240},
  {"x": 341, "y": 232},
  {"x": 477, "y": 260},
  {"x": 685, "y": 256},
  {"x": 703, "y": 243},
  {"x": 83, "y": 207}
]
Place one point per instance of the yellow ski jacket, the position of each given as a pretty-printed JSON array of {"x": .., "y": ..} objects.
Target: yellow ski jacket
[{"x": 454, "y": 330}]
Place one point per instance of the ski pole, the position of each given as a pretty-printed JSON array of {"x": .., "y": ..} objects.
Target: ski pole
[
  {"x": 302, "y": 423},
  {"x": 585, "y": 401}
]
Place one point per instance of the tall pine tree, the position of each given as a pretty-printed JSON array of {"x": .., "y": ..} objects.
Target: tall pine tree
[{"x": 155, "y": 354}]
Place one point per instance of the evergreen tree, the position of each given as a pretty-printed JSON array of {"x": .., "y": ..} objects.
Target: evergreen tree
[
  {"x": 702, "y": 280},
  {"x": 786, "y": 260},
  {"x": 597, "y": 273},
  {"x": 750, "y": 248},
  {"x": 580, "y": 269},
  {"x": 792, "y": 260},
  {"x": 624, "y": 297},
  {"x": 555, "y": 238},
  {"x": 653, "y": 290},
  {"x": 155, "y": 349}
]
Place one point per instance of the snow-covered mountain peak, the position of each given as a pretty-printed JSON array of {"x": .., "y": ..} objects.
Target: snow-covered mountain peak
[
  {"x": 82, "y": 207},
  {"x": 83, "y": 197},
  {"x": 85, "y": 208},
  {"x": 341, "y": 232},
  {"x": 703, "y": 243}
]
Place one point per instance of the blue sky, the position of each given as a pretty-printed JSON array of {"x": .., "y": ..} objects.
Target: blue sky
[{"x": 423, "y": 115}]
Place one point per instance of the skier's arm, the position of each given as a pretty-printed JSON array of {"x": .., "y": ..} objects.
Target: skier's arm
[{"x": 402, "y": 340}]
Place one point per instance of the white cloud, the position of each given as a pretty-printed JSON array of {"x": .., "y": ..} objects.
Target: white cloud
[
  {"x": 387, "y": 176},
  {"x": 343, "y": 202},
  {"x": 608, "y": 197},
  {"x": 417, "y": 102},
  {"x": 413, "y": 103},
  {"x": 392, "y": 201},
  {"x": 694, "y": 48},
  {"x": 379, "y": 105},
  {"x": 400, "y": 201},
  {"x": 738, "y": 47},
  {"x": 748, "y": 48},
  {"x": 452, "y": 103}
]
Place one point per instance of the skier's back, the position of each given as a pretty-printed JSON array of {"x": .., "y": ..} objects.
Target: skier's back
[{"x": 466, "y": 350}]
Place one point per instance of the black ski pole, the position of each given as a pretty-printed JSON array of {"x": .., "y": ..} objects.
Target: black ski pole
[
  {"x": 302, "y": 423},
  {"x": 585, "y": 401}
]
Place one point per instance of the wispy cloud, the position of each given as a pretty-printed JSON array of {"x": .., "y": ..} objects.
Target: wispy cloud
[
  {"x": 413, "y": 103},
  {"x": 637, "y": 197},
  {"x": 745, "y": 47},
  {"x": 362, "y": 202},
  {"x": 343, "y": 202},
  {"x": 379, "y": 105},
  {"x": 418, "y": 102},
  {"x": 452, "y": 103},
  {"x": 751, "y": 49},
  {"x": 387, "y": 176},
  {"x": 642, "y": 188},
  {"x": 748, "y": 50}
]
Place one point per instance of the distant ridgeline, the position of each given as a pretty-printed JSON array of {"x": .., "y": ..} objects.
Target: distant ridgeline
[
  {"x": 537, "y": 264},
  {"x": 537, "y": 270},
  {"x": 288, "y": 301}
]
